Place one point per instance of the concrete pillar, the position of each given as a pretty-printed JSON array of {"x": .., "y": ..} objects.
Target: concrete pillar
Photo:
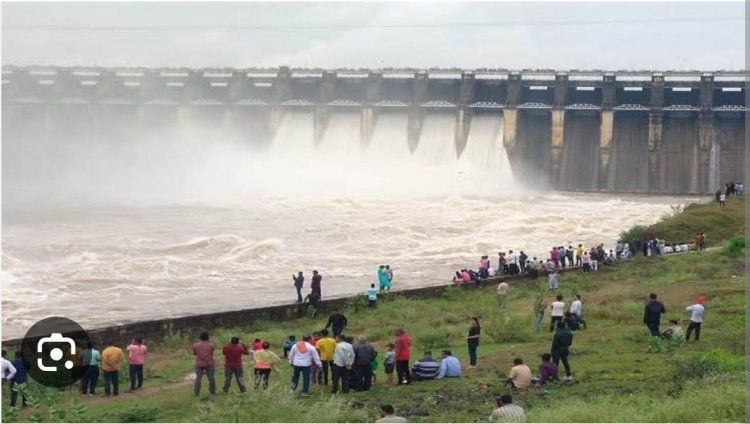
[
  {"x": 369, "y": 116},
  {"x": 558, "y": 141},
  {"x": 655, "y": 182},
  {"x": 705, "y": 146},
  {"x": 513, "y": 90},
  {"x": 416, "y": 114},
  {"x": 561, "y": 90},
  {"x": 322, "y": 112},
  {"x": 281, "y": 93},
  {"x": 466, "y": 91},
  {"x": 606, "y": 168}
]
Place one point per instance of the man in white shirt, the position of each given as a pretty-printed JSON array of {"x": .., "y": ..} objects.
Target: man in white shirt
[
  {"x": 696, "y": 318},
  {"x": 301, "y": 357},
  {"x": 558, "y": 311},
  {"x": 502, "y": 288},
  {"x": 576, "y": 308},
  {"x": 343, "y": 360},
  {"x": 8, "y": 370},
  {"x": 513, "y": 262}
]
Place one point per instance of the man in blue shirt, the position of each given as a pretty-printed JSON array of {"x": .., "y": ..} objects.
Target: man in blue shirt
[
  {"x": 372, "y": 296},
  {"x": 449, "y": 366}
]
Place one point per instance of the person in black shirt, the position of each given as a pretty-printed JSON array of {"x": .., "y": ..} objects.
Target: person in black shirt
[
  {"x": 652, "y": 314},
  {"x": 337, "y": 322},
  {"x": 299, "y": 280},
  {"x": 473, "y": 341},
  {"x": 315, "y": 285}
]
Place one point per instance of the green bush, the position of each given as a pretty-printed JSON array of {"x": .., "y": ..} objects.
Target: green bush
[
  {"x": 709, "y": 363},
  {"x": 635, "y": 233},
  {"x": 508, "y": 329},
  {"x": 140, "y": 414},
  {"x": 735, "y": 247},
  {"x": 433, "y": 337}
]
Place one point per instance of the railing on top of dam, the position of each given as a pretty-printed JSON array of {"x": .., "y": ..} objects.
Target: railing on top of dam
[{"x": 721, "y": 91}]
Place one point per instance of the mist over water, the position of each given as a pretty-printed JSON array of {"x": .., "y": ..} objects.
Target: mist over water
[{"x": 110, "y": 222}]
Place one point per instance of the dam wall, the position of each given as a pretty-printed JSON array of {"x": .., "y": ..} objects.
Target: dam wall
[
  {"x": 624, "y": 131},
  {"x": 191, "y": 326}
]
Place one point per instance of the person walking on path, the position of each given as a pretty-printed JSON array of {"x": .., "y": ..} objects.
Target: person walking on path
[
  {"x": 696, "y": 318},
  {"x": 389, "y": 276},
  {"x": 264, "y": 361},
  {"x": 576, "y": 308},
  {"x": 337, "y": 322},
  {"x": 233, "y": 352},
  {"x": 111, "y": 358},
  {"x": 403, "y": 354},
  {"x": 301, "y": 357},
  {"x": 561, "y": 343},
  {"x": 203, "y": 350},
  {"x": 137, "y": 357},
  {"x": 364, "y": 354},
  {"x": 299, "y": 281},
  {"x": 385, "y": 284},
  {"x": 343, "y": 361},
  {"x": 554, "y": 280},
  {"x": 652, "y": 314},
  {"x": 473, "y": 341},
  {"x": 315, "y": 285},
  {"x": 558, "y": 308}
]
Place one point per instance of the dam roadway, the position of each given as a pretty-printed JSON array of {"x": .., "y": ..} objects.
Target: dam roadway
[{"x": 625, "y": 131}]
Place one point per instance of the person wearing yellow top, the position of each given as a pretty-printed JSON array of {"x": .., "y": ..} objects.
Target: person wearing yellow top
[
  {"x": 111, "y": 358},
  {"x": 579, "y": 255},
  {"x": 326, "y": 346}
]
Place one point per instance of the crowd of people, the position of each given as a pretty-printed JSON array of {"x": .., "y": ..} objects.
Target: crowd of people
[{"x": 730, "y": 188}]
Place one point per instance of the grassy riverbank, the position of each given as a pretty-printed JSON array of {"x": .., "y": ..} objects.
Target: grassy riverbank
[{"x": 620, "y": 375}]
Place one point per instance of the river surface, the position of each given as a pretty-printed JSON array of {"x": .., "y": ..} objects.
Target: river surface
[{"x": 110, "y": 265}]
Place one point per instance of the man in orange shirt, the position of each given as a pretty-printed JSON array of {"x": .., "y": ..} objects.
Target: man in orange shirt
[
  {"x": 112, "y": 356},
  {"x": 326, "y": 346}
]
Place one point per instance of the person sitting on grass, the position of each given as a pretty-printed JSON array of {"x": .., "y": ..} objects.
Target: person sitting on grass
[
  {"x": 388, "y": 415},
  {"x": 507, "y": 412},
  {"x": 426, "y": 368},
  {"x": 673, "y": 332},
  {"x": 449, "y": 366},
  {"x": 547, "y": 371},
  {"x": 520, "y": 375}
]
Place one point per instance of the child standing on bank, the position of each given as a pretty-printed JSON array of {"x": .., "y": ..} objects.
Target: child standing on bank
[{"x": 389, "y": 363}]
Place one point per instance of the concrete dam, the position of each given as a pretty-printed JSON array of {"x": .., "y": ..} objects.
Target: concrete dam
[{"x": 639, "y": 132}]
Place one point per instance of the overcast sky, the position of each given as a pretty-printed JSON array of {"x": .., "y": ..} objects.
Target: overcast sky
[{"x": 557, "y": 35}]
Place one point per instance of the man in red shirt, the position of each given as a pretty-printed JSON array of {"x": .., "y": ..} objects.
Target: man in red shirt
[
  {"x": 204, "y": 364},
  {"x": 233, "y": 363},
  {"x": 402, "y": 357}
]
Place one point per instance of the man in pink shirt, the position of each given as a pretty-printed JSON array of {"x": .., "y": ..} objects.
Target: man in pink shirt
[{"x": 137, "y": 354}]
